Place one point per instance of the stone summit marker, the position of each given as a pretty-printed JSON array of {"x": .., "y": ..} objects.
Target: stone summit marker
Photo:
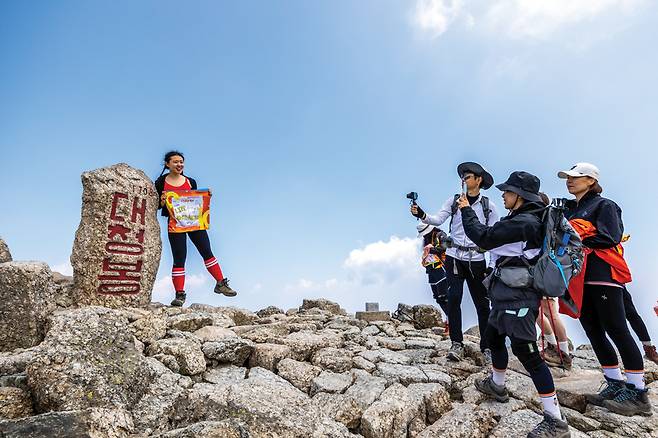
[{"x": 117, "y": 246}]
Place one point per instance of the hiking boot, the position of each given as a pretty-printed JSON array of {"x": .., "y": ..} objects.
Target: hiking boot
[
  {"x": 551, "y": 356},
  {"x": 555, "y": 358},
  {"x": 488, "y": 387},
  {"x": 456, "y": 352},
  {"x": 223, "y": 288},
  {"x": 487, "y": 356},
  {"x": 179, "y": 300},
  {"x": 612, "y": 387},
  {"x": 550, "y": 427},
  {"x": 650, "y": 353},
  {"x": 630, "y": 401}
]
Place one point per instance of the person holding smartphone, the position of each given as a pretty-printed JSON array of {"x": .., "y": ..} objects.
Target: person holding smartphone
[
  {"x": 517, "y": 241},
  {"x": 174, "y": 161},
  {"x": 465, "y": 261}
]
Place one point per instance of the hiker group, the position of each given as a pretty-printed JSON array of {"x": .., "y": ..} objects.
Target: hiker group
[{"x": 544, "y": 257}]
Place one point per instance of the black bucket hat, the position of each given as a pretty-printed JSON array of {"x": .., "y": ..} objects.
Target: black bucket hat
[
  {"x": 476, "y": 169},
  {"x": 524, "y": 184}
]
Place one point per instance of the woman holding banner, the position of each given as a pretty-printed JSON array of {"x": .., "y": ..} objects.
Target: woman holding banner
[{"x": 172, "y": 182}]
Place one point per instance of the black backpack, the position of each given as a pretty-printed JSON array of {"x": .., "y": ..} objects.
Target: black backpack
[{"x": 485, "y": 209}]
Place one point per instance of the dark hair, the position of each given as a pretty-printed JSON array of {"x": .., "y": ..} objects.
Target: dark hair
[
  {"x": 596, "y": 188},
  {"x": 544, "y": 198},
  {"x": 168, "y": 156},
  {"x": 429, "y": 237}
]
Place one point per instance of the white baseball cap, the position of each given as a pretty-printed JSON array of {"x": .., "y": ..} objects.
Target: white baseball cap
[{"x": 580, "y": 169}]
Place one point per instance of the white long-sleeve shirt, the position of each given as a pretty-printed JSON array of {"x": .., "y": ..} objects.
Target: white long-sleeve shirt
[{"x": 457, "y": 231}]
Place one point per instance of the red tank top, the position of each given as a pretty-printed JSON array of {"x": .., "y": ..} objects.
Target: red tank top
[{"x": 185, "y": 186}]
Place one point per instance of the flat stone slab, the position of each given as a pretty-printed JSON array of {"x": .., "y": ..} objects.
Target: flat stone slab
[{"x": 382, "y": 315}]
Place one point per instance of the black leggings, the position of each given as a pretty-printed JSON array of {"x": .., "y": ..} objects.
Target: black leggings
[
  {"x": 602, "y": 314},
  {"x": 527, "y": 353},
  {"x": 178, "y": 242},
  {"x": 473, "y": 273},
  {"x": 634, "y": 318}
]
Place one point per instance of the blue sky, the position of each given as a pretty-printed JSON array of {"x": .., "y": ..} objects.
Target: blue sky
[{"x": 311, "y": 120}]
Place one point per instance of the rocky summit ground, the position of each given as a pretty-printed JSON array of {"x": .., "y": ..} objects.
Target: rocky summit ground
[{"x": 314, "y": 371}]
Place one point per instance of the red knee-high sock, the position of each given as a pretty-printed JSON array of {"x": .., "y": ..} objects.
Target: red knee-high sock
[
  {"x": 178, "y": 278},
  {"x": 212, "y": 265}
]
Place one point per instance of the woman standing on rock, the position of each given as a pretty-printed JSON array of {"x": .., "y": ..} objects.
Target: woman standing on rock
[
  {"x": 174, "y": 161},
  {"x": 516, "y": 240},
  {"x": 602, "y": 314}
]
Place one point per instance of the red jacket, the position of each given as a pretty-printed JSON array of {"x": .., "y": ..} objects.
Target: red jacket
[{"x": 613, "y": 256}]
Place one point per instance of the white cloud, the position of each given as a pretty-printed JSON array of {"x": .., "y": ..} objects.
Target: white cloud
[
  {"x": 541, "y": 19},
  {"x": 382, "y": 262},
  {"x": 524, "y": 19},
  {"x": 163, "y": 289},
  {"x": 435, "y": 16},
  {"x": 387, "y": 272}
]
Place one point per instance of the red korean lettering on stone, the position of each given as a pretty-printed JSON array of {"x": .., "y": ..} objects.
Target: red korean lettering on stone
[
  {"x": 138, "y": 210},
  {"x": 118, "y": 230},
  {"x": 140, "y": 236},
  {"x": 115, "y": 203},
  {"x": 124, "y": 248},
  {"x": 120, "y": 278},
  {"x": 123, "y": 270},
  {"x": 119, "y": 288}
]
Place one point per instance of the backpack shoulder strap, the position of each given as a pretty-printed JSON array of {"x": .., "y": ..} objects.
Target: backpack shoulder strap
[
  {"x": 485, "y": 209},
  {"x": 453, "y": 211}
]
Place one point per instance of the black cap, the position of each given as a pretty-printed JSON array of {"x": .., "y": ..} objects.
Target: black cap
[
  {"x": 476, "y": 169},
  {"x": 524, "y": 184}
]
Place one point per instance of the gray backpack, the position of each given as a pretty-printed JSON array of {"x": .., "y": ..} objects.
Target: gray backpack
[{"x": 562, "y": 254}]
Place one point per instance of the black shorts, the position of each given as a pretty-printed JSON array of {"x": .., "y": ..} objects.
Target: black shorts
[{"x": 519, "y": 323}]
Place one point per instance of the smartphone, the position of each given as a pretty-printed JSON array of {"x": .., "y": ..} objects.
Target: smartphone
[{"x": 463, "y": 186}]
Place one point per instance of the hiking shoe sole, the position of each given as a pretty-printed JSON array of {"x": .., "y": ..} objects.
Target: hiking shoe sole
[
  {"x": 621, "y": 409},
  {"x": 226, "y": 293}
]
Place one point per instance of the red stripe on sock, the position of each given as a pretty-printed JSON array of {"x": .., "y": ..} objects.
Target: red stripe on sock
[
  {"x": 178, "y": 278},
  {"x": 214, "y": 270}
]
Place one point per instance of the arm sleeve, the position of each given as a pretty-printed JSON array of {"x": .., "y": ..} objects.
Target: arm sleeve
[
  {"x": 508, "y": 231},
  {"x": 444, "y": 213},
  {"x": 609, "y": 227}
]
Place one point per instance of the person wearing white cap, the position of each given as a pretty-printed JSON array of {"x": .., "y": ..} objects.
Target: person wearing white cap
[
  {"x": 465, "y": 262},
  {"x": 434, "y": 250},
  {"x": 602, "y": 315}
]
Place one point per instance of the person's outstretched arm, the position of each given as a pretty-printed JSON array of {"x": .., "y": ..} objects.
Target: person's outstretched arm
[{"x": 502, "y": 232}]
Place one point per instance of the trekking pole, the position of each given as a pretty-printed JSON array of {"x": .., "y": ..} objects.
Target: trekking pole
[
  {"x": 541, "y": 318},
  {"x": 550, "y": 320}
]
